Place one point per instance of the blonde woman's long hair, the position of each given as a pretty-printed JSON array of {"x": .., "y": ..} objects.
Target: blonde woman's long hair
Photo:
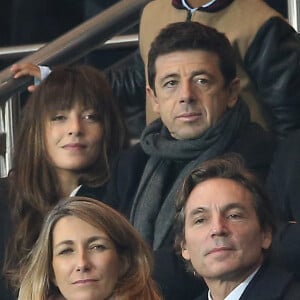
[{"x": 135, "y": 282}]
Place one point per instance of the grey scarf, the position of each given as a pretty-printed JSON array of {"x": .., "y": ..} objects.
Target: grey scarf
[{"x": 154, "y": 208}]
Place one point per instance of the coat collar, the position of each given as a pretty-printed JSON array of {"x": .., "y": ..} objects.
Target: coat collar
[{"x": 213, "y": 7}]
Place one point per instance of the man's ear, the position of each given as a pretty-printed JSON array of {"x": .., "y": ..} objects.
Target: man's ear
[
  {"x": 266, "y": 238},
  {"x": 233, "y": 92},
  {"x": 185, "y": 252},
  {"x": 151, "y": 95}
]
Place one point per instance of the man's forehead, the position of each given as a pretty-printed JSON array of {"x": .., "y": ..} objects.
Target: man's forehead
[
  {"x": 192, "y": 60},
  {"x": 221, "y": 192},
  {"x": 179, "y": 55}
]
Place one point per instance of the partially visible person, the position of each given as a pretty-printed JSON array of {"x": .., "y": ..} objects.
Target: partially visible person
[
  {"x": 194, "y": 87},
  {"x": 284, "y": 187},
  {"x": 29, "y": 69},
  {"x": 224, "y": 230},
  {"x": 266, "y": 48},
  {"x": 86, "y": 250},
  {"x": 284, "y": 178},
  {"x": 70, "y": 132},
  {"x": 279, "y": 5}
]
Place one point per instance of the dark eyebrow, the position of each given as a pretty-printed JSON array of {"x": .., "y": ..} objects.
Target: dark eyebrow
[
  {"x": 193, "y": 74},
  {"x": 200, "y": 72},
  {"x": 197, "y": 211},
  {"x": 171, "y": 75},
  {"x": 89, "y": 240},
  {"x": 227, "y": 207},
  {"x": 233, "y": 206}
]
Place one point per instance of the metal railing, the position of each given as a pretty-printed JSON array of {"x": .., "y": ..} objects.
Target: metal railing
[
  {"x": 65, "y": 49},
  {"x": 294, "y": 13},
  {"x": 78, "y": 42},
  {"x": 8, "y": 122},
  {"x": 17, "y": 52}
]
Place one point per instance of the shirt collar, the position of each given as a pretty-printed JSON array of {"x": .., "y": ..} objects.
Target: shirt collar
[
  {"x": 239, "y": 290},
  {"x": 74, "y": 192},
  {"x": 210, "y": 6}
]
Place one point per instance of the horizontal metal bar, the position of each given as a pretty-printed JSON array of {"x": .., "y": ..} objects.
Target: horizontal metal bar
[
  {"x": 122, "y": 41},
  {"x": 77, "y": 42}
]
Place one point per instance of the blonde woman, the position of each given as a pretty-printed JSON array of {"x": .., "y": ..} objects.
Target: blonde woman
[{"x": 87, "y": 250}]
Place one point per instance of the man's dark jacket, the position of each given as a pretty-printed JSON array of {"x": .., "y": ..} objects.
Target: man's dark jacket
[
  {"x": 269, "y": 283},
  {"x": 284, "y": 188},
  {"x": 252, "y": 143}
]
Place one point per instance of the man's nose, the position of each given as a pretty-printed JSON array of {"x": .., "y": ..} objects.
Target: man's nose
[
  {"x": 186, "y": 92},
  {"x": 218, "y": 226}
]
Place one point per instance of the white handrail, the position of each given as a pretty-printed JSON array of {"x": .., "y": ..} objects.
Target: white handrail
[
  {"x": 294, "y": 13},
  {"x": 121, "y": 41}
]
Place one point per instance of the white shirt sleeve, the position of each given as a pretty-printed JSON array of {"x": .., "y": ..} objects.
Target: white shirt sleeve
[{"x": 45, "y": 71}]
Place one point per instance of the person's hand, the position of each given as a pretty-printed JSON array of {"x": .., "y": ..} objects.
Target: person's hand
[{"x": 26, "y": 69}]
